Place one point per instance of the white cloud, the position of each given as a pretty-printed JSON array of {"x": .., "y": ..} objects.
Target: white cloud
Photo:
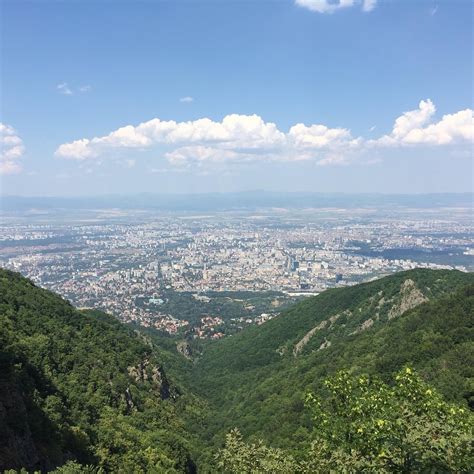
[
  {"x": 413, "y": 118},
  {"x": 248, "y": 138},
  {"x": 320, "y": 136},
  {"x": 329, "y": 6},
  {"x": 186, "y": 99},
  {"x": 324, "y": 6},
  {"x": 78, "y": 150},
  {"x": 369, "y": 5},
  {"x": 64, "y": 89},
  {"x": 11, "y": 150},
  {"x": 415, "y": 128},
  {"x": 235, "y": 131}
]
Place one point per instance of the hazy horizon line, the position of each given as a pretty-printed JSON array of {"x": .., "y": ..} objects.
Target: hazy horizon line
[{"x": 247, "y": 192}]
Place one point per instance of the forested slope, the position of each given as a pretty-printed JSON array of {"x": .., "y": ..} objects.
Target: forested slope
[
  {"x": 80, "y": 385},
  {"x": 257, "y": 380}
]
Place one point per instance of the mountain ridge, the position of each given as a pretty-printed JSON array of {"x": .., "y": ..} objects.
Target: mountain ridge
[{"x": 255, "y": 378}]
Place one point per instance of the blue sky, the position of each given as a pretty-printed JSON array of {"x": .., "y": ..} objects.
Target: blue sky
[{"x": 318, "y": 95}]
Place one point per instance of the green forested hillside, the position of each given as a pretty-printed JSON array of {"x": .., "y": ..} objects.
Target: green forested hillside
[
  {"x": 257, "y": 381},
  {"x": 79, "y": 385}
]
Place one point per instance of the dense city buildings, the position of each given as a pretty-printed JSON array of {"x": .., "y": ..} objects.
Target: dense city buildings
[{"x": 181, "y": 272}]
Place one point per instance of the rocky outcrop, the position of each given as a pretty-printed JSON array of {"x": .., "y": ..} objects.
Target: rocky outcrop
[
  {"x": 129, "y": 400},
  {"x": 149, "y": 372},
  {"x": 300, "y": 345},
  {"x": 368, "y": 323},
  {"x": 326, "y": 324},
  {"x": 324, "y": 345},
  {"x": 184, "y": 349},
  {"x": 410, "y": 297}
]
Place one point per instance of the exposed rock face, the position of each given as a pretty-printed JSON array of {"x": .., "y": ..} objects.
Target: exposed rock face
[
  {"x": 185, "y": 349},
  {"x": 410, "y": 297},
  {"x": 146, "y": 371},
  {"x": 159, "y": 378},
  {"x": 129, "y": 400},
  {"x": 299, "y": 345},
  {"x": 368, "y": 323},
  {"x": 138, "y": 372},
  {"x": 327, "y": 323},
  {"x": 324, "y": 345}
]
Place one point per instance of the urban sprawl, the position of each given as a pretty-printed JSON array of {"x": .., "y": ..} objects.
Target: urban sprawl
[{"x": 130, "y": 267}]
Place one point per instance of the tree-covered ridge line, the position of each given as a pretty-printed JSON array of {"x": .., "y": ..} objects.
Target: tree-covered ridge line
[
  {"x": 379, "y": 300},
  {"x": 252, "y": 385}
]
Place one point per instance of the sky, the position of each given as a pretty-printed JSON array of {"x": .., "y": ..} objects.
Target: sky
[{"x": 191, "y": 96}]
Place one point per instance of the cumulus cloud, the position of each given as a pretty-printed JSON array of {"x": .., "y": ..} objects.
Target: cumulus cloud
[
  {"x": 330, "y": 6},
  {"x": 415, "y": 127},
  {"x": 248, "y": 138},
  {"x": 186, "y": 99},
  {"x": 320, "y": 137},
  {"x": 235, "y": 131},
  {"x": 11, "y": 150}
]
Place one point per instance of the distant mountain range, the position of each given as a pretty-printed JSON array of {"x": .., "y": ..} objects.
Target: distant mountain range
[
  {"x": 81, "y": 387},
  {"x": 236, "y": 201}
]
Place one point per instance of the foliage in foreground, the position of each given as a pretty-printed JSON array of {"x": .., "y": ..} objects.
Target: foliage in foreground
[{"x": 365, "y": 425}]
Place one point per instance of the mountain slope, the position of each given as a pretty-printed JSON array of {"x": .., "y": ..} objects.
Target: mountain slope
[
  {"x": 80, "y": 385},
  {"x": 257, "y": 380}
]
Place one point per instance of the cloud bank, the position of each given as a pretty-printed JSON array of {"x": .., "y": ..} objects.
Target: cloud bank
[
  {"x": 248, "y": 138},
  {"x": 11, "y": 150}
]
